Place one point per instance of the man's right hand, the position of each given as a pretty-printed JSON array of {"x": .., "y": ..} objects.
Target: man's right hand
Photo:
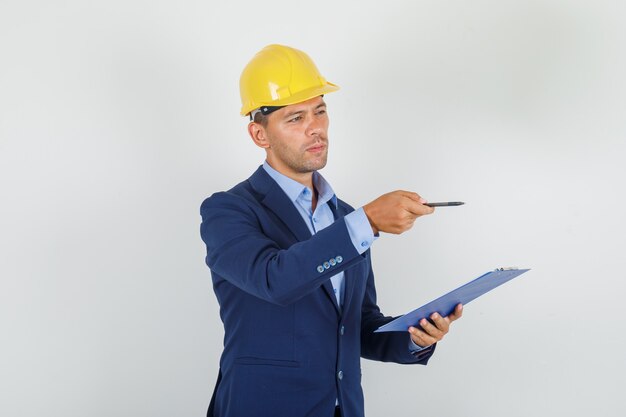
[{"x": 395, "y": 212}]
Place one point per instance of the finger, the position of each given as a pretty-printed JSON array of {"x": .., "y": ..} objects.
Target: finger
[
  {"x": 456, "y": 314},
  {"x": 418, "y": 209},
  {"x": 431, "y": 329},
  {"x": 420, "y": 338},
  {"x": 413, "y": 196},
  {"x": 443, "y": 324},
  {"x": 410, "y": 194}
]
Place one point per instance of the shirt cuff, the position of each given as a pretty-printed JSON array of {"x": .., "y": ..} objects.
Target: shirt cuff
[
  {"x": 360, "y": 230},
  {"x": 413, "y": 348}
]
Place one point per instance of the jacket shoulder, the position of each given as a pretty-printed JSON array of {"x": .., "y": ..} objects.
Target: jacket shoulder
[{"x": 241, "y": 195}]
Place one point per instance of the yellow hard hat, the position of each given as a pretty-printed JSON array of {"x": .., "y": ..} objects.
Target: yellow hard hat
[{"x": 278, "y": 76}]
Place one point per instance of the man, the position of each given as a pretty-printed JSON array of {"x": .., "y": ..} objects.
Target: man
[{"x": 291, "y": 264}]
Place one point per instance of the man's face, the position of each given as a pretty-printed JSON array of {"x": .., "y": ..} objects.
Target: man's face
[{"x": 298, "y": 137}]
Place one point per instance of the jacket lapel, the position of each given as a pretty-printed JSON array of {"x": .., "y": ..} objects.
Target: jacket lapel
[{"x": 275, "y": 199}]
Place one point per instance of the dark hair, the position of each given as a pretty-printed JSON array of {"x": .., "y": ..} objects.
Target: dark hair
[{"x": 261, "y": 118}]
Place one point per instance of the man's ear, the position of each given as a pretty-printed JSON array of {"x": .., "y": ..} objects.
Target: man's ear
[{"x": 258, "y": 134}]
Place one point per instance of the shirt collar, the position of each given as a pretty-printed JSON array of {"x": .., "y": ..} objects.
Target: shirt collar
[{"x": 295, "y": 190}]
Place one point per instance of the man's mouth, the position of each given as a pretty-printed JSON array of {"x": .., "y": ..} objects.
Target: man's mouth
[{"x": 316, "y": 148}]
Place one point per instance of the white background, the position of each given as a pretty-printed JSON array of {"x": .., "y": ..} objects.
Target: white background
[{"x": 117, "y": 118}]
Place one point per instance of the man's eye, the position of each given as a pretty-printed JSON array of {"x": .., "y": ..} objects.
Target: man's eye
[
  {"x": 295, "y": 119},
  {"x": 321, "y": 112}
]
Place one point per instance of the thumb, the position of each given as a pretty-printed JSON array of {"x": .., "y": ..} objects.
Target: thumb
[{"x": 413, "y": 196}]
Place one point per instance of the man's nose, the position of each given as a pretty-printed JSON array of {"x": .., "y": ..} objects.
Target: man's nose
[{"x": 315, "y": 126}]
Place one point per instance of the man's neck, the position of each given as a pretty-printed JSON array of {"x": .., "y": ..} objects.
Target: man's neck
[{"x": 304, "y": 178}]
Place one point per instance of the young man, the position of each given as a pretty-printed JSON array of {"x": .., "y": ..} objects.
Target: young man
[{"x": 291, "y": 265}]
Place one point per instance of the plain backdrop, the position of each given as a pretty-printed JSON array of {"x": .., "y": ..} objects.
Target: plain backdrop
[{"x": 117, "y": 118}]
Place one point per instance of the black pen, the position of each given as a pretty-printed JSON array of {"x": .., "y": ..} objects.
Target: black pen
[{"x": 446, "y": 204}]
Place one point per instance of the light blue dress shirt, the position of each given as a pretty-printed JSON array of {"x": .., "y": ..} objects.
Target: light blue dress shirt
[
  {"x": 301, "y": 196},
  {"x": 359, "y": 228}
]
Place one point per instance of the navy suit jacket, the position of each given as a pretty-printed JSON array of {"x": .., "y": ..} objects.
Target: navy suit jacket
[{"x": 289, "y": 349}]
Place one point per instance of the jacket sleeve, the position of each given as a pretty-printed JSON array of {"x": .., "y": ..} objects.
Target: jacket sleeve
[
  {"x": 239, "y": 251},
  {"x": 385, "y": 346}
]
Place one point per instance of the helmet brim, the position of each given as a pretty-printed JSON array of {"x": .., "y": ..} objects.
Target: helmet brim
[{"x": 299, "y": 97}]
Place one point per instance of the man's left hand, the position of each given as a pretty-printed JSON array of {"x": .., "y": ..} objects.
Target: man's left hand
[{"x": 434, "y": 330}]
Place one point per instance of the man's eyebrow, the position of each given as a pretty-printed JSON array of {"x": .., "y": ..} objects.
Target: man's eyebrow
[{"x": 293, "y": 113}]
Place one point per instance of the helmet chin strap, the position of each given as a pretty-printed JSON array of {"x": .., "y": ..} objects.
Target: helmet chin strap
[{"x": 264, "y": 110}]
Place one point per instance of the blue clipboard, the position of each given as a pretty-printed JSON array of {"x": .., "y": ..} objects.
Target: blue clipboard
[{"x": 445, "y": 304}]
